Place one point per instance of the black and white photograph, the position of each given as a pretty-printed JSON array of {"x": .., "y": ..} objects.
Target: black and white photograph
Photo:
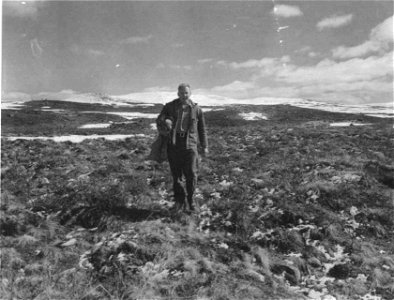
[{"x": 197, "y": 150}]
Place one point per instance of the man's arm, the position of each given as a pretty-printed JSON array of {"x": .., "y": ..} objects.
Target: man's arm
[
  {"x": 202, "y": 131},
  {"x": 164, "y": 121}
]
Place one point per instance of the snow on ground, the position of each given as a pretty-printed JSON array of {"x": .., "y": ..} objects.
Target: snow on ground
[
  {"x": 142, "y": 104},
  {"x": 383, "y": 110},
  {"x": 134, "y": 115},
  {"x": 55, "y": 110},
  {"x": 207, "y": 109},
  {"x": 253, "y": 116},
  {"x": 345, "y": 124},
  {"x": 77, "y": 138},
  {"x": 94, "y": 126},
  {"x": 126, "y": 115},
  {"x": 11, "y": 105}
]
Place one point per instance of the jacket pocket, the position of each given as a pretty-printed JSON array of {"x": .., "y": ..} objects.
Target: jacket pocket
[{"x": 193, "y": 126}]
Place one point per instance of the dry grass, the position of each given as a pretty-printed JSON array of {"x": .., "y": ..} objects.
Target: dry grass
[{"x": 280, "y": 206}]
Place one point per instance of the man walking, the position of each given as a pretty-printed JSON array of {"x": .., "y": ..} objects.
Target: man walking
[{"x": 185, "y": 122}]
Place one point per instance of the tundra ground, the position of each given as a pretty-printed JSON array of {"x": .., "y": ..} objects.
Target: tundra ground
[{"x": 289, "y": 208}]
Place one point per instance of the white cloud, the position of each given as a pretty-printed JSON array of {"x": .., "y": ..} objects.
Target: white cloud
[
  {"x": 159, "y": 89},
  {"x": 62, "y": 95},
  {"x": 22, "y": 9},
  {"x": 286, "y": 11},
  {"x": 357, "y": 80},
  {"x": 356, "y": 51},
  {"x": 380, "y": 41},
  {"x": 248, "y": 90},
  {"x": 237, "y": 89},
  {"x": 328, "y": 71},
  {"x": 137, "y": 40},
  {"x": 264, "y": 66},
  {"x": 15, "y": 97},
  {"x": 255, "y": 63},
  {"x": 71, "y": 95},
  {"x": 384, "y": 31},
  {"x": 334, "y": 22}
]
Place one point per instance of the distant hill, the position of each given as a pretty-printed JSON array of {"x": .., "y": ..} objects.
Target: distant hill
[{"x": 383, "y": 110}]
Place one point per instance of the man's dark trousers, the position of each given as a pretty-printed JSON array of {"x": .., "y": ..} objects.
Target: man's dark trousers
[{"x": 183, "y": 161}]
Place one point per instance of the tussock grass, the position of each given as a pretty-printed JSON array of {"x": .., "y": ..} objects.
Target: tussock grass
[{"x": 280, "y": 205}]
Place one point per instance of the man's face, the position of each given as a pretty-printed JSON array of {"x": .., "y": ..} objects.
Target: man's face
[{"x": 184, "y": 93}]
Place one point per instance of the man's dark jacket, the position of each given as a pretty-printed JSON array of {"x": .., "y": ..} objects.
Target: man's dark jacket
[
  {"x": 197, "y": 129},
  {"x": 195, "y": 132}
]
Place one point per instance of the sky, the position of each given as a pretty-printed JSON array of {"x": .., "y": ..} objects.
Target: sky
[{"x": 330, "y": 51}]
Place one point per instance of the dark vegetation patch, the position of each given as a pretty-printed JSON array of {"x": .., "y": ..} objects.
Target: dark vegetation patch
[
  {"x": 32, "y": 120},
  {"x": 286, "y": 210}
]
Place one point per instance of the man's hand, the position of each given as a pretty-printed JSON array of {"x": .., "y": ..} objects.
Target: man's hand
[
  {"x": 205, "y": 152},
  {"x": 168, "y": 123},
  {"x": 164, "y": 127}
]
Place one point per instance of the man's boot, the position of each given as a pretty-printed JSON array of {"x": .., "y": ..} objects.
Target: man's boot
[
  {"x": 180, "y": 204},
  {"x": 190, "y": 203}
]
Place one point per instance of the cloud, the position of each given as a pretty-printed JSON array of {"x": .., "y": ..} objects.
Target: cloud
[
  {"x": 328, "y": 71},
  {"x": 380, "y": 41},
  {"x": 264, "y": 66},
  {"x": 22, "y": 9},
  {"x": 384, "y": 31},
  {"x": 334, "y": 22},
  {"x": 159, "y": 89},
  {"x": 62, "y": 95},
  {"x": 237, "y": 89},
  {"x": 286, "y": 11},
  {"x": 357, "y": 80},
  {"x": 15, "y": 97},
  {"x": 137, "y": 40},
  {"x": 356, "y": 51},
  {"x": 253, "y": 63}
]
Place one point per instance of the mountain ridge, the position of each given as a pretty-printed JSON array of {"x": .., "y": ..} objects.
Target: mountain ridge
[{"x": 382, "y": 110}]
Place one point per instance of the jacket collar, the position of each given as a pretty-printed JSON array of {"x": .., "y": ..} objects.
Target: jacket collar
[{"x": 188, "y": 102}]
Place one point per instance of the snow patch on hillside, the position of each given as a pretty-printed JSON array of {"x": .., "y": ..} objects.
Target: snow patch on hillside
[
  {"x": 346, "y": 124},
  {"x": 77, "y": 138},
  {"x": 11, "y": 105},
  {"x": 253, "y": 116},
  {"x": 95, "y": 126},
  {"x": 126, "y": 115}
]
